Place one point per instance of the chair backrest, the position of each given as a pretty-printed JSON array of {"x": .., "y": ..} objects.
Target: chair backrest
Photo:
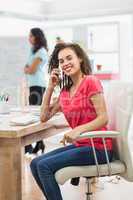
[{"x": 119, "y": 101}]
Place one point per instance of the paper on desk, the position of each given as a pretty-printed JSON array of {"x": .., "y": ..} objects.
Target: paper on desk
[
  {"x": 28, "y": 109},
  {"x": 24, "y": 120}
]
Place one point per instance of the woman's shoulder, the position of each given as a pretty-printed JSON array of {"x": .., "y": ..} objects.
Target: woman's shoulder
[
  {"x": 42, "y": 53},
  {"x": 63, "y": 92},
  {"x": 93, "y": 84},
  {"x": 42, "y": 50},
  {"x": 91, "y": 77}
]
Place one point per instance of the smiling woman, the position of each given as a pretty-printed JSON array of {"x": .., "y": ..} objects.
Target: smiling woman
[
  {"x": 82, "y": 103},
  {"x": 72, "y": 52}
]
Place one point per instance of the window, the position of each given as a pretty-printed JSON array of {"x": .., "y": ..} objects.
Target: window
[{"x": 103, "y": 45}]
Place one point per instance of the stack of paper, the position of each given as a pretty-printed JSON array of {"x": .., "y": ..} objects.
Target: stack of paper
[
  {"x": 27, "y": 109},
  {"x": 24, "y": 120}
]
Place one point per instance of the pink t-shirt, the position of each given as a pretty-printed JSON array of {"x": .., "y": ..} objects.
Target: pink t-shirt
[{"x": 79, "y": 109}]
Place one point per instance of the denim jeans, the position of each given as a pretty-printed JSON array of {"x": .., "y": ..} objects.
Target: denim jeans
[{"x": 44, "y": 167}]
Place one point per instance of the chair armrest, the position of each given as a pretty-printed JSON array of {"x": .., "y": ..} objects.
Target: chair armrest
[
  {"x": 103, "y": 135},
  {"x": 100, "y": 134}
]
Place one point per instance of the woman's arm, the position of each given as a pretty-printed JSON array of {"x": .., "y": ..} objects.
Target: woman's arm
[
  {"x": 47, "y": 109},
  {"x": 33, "y": 67},
  {"x": 102, "y": 117},
  {"x": 101, "y": 120}
]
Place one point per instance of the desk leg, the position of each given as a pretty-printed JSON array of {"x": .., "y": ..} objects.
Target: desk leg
[{"x": 10, "y": 169}]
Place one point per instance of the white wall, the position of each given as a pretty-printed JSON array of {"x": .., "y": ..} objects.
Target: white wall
[
  {"x": 126, "y": 49},
  {"x": 62, "y": 9},
  {"x": 16, "y": 27},
  {"x": 14, "y": 52},
  {"x": 33, "y": 9},
  {"x": 29, "y": 6},
  {"x": 125, "y": 41}
]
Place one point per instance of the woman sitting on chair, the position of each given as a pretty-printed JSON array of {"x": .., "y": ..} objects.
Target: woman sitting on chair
[{"x": 82, "y": 102}]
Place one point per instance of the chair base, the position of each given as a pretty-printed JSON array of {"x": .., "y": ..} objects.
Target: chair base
[
  {"x": 89, "y": 192},
  {"x": 88, "y": 196}
]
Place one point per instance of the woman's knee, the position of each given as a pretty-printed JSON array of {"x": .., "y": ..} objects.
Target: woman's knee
[
  {"x": 43, "y": 167},
  {"x": 33, "y": 165}
]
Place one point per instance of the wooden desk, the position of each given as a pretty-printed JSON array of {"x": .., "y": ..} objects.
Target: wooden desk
[{"x": 12, "y": 142}]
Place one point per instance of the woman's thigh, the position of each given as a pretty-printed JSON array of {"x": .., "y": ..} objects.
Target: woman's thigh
[
  {"x": 73, "y": 157},
  {"x": 52, "y": 153}
]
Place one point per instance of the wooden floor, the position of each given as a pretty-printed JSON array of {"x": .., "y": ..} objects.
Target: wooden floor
[{"x": 105, "y": 188}]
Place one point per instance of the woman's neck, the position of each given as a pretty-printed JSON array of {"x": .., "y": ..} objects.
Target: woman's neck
[{"x": 77, "y": 78}]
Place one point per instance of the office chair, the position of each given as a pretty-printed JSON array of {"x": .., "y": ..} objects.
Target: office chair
[{"x": 119, "y": 101}]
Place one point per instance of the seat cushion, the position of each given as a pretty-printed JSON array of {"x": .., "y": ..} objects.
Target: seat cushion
[{"x": 64, "y": 174}]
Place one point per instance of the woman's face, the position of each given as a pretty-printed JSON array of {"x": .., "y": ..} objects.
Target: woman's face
[
  {"x": 69, "y": 62},
  {"x": 31, "y": 39}
]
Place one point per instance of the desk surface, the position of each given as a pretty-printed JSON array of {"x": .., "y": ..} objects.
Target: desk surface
[
  {"x": 11, "y": 131},
  {"x": 13, "y": 139}
]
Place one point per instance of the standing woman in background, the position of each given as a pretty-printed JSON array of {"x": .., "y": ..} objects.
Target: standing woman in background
[{"x": 35, "y": 70}]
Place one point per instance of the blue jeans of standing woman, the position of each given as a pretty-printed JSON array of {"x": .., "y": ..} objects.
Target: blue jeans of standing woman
[{"x": 44, "y": 167}]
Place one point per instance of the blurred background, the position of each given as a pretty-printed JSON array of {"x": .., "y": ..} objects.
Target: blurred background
[{"x": 103, "y": 28}]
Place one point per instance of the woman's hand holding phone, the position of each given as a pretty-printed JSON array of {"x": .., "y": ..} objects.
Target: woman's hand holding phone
[{"x": 54, "y": 78}]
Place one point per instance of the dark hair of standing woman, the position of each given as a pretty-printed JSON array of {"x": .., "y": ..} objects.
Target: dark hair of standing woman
[
  {"x": 40, "y": 39},
  {"x": 85, "y": 66}
]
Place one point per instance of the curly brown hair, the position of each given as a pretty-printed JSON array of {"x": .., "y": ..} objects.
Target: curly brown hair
[{"x": 66, "y": 81}]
